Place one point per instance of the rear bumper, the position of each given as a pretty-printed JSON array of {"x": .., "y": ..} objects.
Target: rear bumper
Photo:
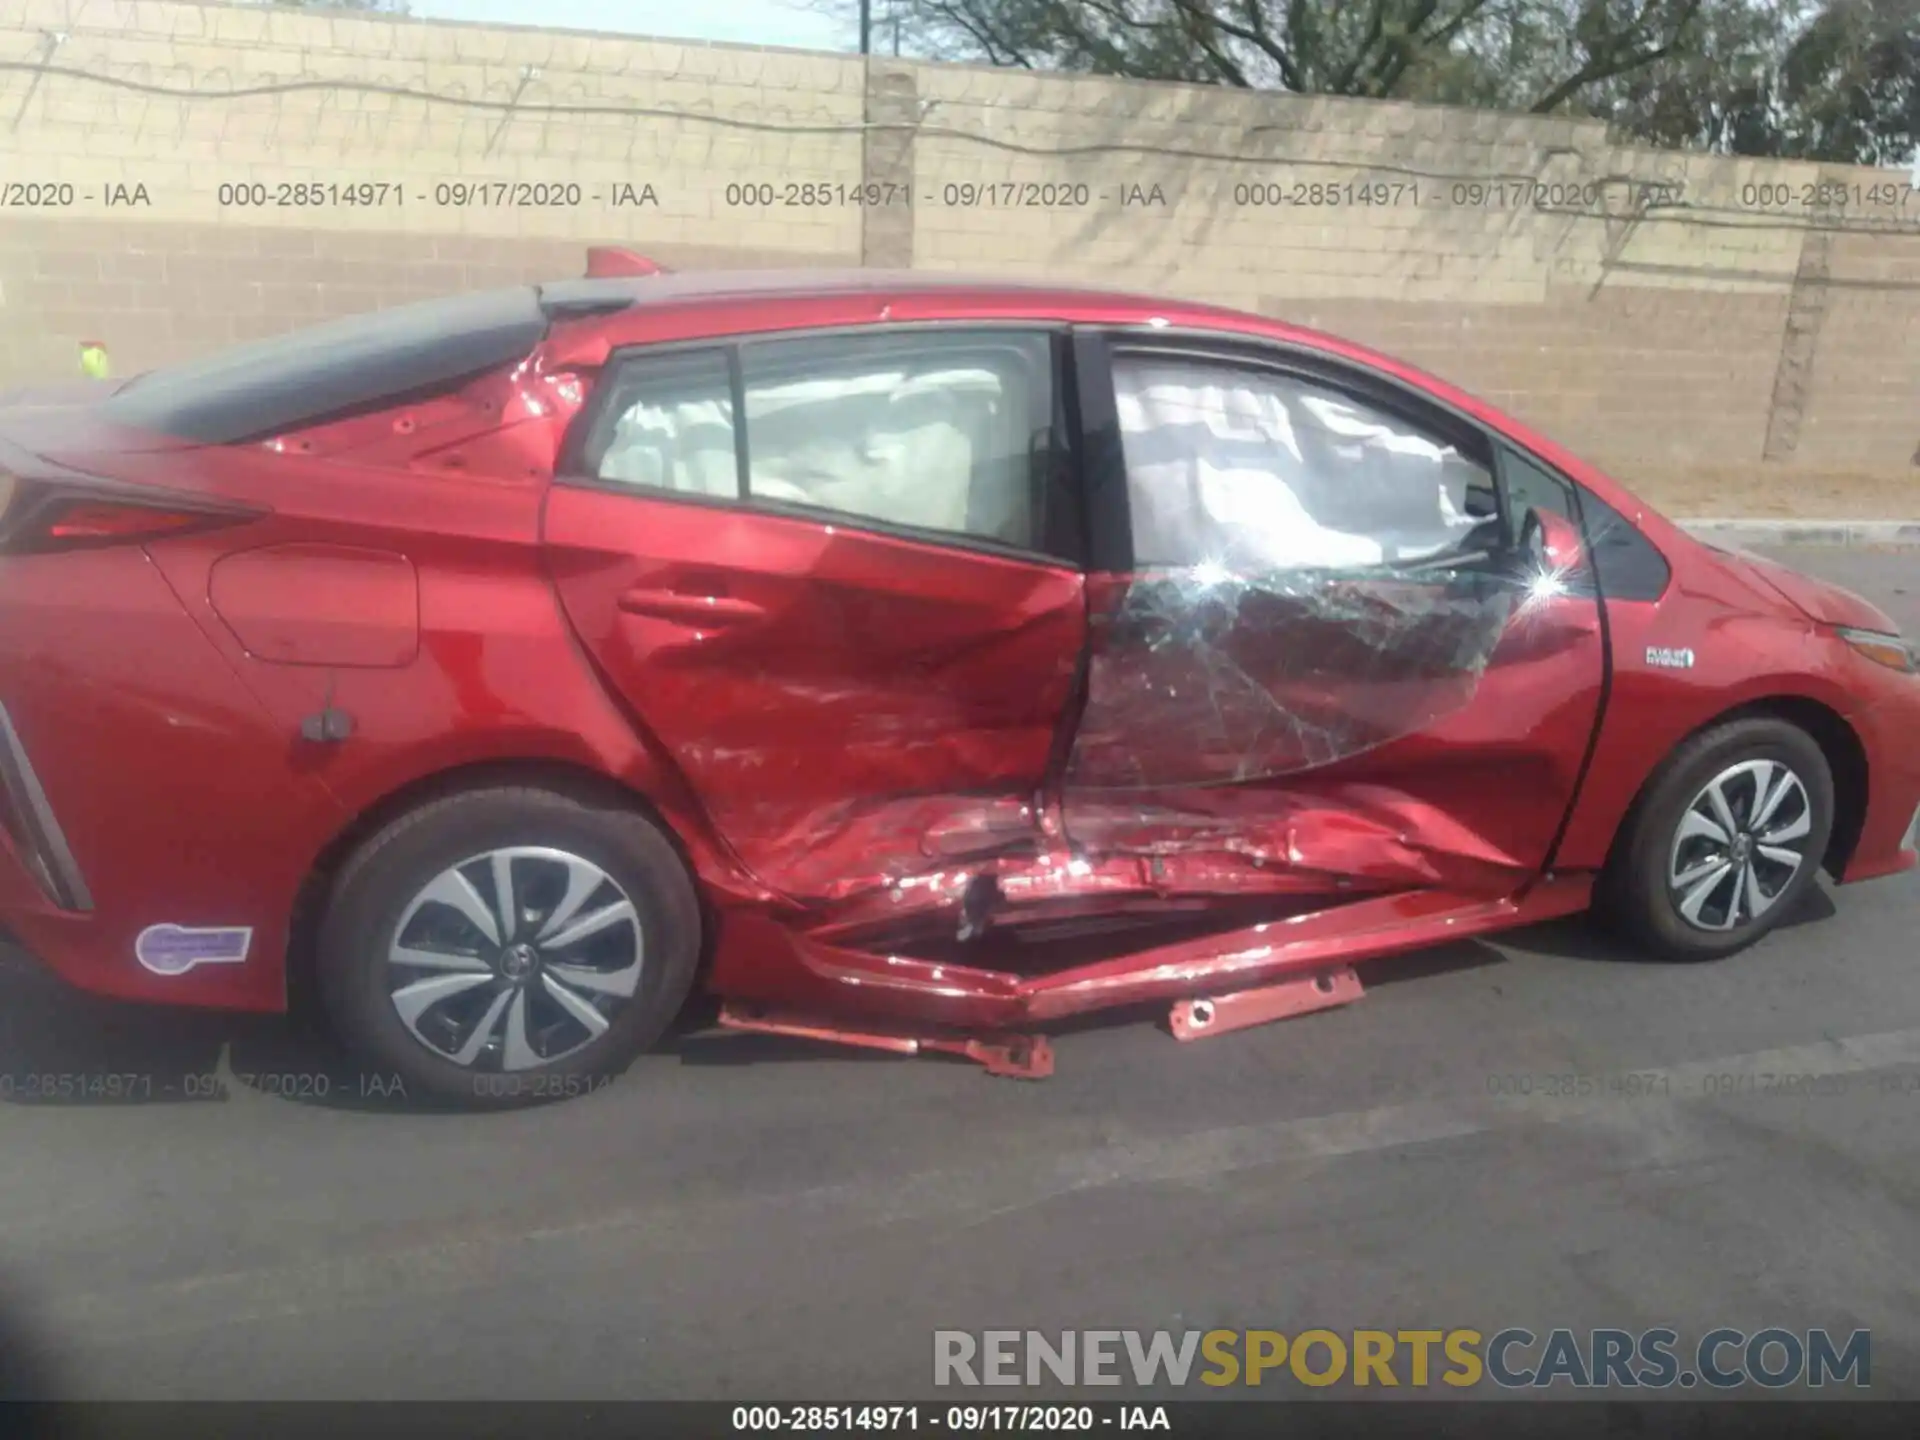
[
  {"x": 23, "y": 898},
  {"x": 44, "y": 899},
  {"x": 30, "y": 829},
  {"x": 147, "y": 792}
]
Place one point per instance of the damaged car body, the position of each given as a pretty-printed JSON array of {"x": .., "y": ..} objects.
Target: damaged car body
[{"x": 907, "y": 662}]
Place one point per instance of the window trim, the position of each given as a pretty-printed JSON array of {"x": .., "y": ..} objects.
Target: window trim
[
  {"x": 1112, "y": 530},
  {"x": 737, "y": 398},
  {"x": 1062, "y": 543}
]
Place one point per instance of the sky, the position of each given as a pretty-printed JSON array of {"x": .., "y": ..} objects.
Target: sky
[{"x": 749, "y": 22}]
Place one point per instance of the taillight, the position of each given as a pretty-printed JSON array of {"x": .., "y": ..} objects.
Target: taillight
[
  {"x": 83, "y": 521},
  {"x": 70, "y": 520}
]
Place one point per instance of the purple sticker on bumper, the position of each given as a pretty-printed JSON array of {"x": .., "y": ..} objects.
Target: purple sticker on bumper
[{"x": 176, "y": 949}]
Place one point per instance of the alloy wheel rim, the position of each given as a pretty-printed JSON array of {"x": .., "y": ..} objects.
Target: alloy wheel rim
[
  {"x": 515, "y": 958},
  {"x": 1739, "y": 845}
]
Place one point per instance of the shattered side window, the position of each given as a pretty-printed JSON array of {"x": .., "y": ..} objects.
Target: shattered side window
[{"x": 1314, "y": 578}]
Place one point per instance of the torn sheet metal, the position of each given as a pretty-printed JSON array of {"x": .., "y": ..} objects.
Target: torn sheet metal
[
  {"x": 1352, "y": 834},
  {"x": 1019, "y": 1057},
  {"x": 877, "y": 983},
  {"x": 1206, "y": 1016}
]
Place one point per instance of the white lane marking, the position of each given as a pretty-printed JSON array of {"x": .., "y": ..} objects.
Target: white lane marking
[{"x": 476, "y": 1256}]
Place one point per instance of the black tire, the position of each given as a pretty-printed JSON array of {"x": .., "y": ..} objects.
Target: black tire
[
  {"x": 1636, "y": 895},
  {"x": 378, "y": 888}
]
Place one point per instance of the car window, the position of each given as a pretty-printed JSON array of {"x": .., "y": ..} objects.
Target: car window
[
  {"x": 668, "y": 425},
  {"x": 945, "y": 432},
  {"x": 1249, "y": 468},
  {"x": 1628, "y": 566}
]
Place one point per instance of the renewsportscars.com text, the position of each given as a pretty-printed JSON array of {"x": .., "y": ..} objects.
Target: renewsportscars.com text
[{"x": 1722, "y": 1359}]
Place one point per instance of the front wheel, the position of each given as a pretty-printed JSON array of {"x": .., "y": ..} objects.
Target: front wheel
[
  {"x": 1726, "y": 843},
  {"x": 509, "y": 945}
]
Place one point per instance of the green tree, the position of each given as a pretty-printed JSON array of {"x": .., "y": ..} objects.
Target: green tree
[
  {"x": 1838, "y": 82},
  {"x": 1718, "y": 91},
  {"x": 1849, "y": 86},
  {"x": 1370, "y": 48},
  {"x": 1835, "y": 80}
]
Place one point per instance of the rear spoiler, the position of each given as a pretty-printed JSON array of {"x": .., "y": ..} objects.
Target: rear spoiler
[
  {"x": 571, "y": 299},
  {"x": 607, "y": 260}
]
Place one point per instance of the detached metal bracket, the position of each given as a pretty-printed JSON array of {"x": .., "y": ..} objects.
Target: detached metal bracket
[
  {"x": 1217, "y": 1015},
  {"x": 1019, "y": 1057}
]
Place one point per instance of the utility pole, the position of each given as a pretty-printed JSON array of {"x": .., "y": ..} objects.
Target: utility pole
[{"x": 866, "y": 27}]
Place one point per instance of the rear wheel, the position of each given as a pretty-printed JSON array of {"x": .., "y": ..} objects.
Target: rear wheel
[
  {"x": 1726, "y": 843},
  {"x": 505, "y": 946}
]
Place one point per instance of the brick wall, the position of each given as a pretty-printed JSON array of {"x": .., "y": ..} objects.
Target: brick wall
[{"x": 1688, "y": 321}]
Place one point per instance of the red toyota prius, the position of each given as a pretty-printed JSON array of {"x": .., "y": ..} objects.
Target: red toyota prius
[{"x": 902, "y": 661}]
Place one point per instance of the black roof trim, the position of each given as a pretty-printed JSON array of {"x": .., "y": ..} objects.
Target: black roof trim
[
  {"x": 326, "y": 372},
  {"x": 575, "y": 299}
]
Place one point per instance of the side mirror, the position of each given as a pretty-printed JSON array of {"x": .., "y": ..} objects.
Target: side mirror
[{"x": 1552, "y": 544}]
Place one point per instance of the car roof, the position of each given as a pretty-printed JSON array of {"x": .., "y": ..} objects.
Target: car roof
[
  {"x": 288, "y": 379},
  {"x": 744, "y": 301},
  {"x": 619, "y": 292}
]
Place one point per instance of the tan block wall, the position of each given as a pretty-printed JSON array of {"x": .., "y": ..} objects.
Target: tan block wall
[{"x": 1725, "y": 331}]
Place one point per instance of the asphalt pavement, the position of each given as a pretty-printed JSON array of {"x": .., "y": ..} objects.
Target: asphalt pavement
[{"x": 751, "y": 1219}]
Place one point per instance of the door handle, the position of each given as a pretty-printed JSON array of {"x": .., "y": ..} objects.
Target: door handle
[{"x": 686, "y": 608}]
